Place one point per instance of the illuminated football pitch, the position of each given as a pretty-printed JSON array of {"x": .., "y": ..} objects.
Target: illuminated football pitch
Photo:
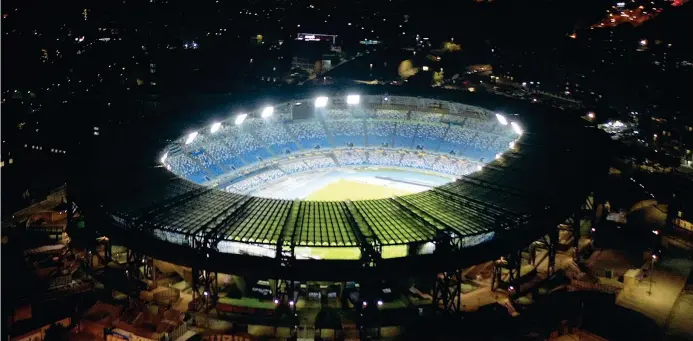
[
  {"x": 355, "y": 190},
  {"x": 351, "y": 184}
]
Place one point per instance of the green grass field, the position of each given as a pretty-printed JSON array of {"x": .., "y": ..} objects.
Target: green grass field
[{"x": 353, "y": 190}]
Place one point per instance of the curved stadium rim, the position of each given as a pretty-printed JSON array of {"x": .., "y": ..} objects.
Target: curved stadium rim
[{"x": 527, "y": 175}]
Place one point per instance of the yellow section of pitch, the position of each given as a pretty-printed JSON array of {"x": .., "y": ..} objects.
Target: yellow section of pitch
[{"x": 354, "y": 190}]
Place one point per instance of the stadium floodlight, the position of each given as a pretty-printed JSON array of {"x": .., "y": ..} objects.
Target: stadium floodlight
[
  {"x": 191, "y": 137},
  {"x": 353, "y": 99},
  {"x": 502, "y": 120},
  {"x": 516, "y": 127},
  {"x": 215, "y": 127},
  {"x": 163, "y": 158},
  {"x": 240, "y": 118},
  {"x": 267, "y": 111},
  {"x": 321, "y": 102}
]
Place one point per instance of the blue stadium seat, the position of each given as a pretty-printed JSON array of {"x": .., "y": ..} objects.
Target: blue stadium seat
[
  {"x": 312, "y": 142},
  {"x": 198, "y": 177},
  {"x": 347, "y": 131},
  {"x": 234, "y": 162},
  {"x": 280, "y": 149},
  {"x": 215, "y": 169},
  {"x": 253, "y": 155}
]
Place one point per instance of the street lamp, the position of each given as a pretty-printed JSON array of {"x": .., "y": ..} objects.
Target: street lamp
[{"x": 654, "y": 258}]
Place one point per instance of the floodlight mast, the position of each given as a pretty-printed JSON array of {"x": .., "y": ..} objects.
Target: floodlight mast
[
  {"x": 267, "y": 111},
  {"x": 191, "y": 137},
  {"x": 240, "y": 118},
  {"x": 502, "y": 120},
  {"x": 321, "y": 102},
  {"x": 353, "y": 99},
  {"x": 516, "y": 127},
  {"x": 215, "y": 127}
]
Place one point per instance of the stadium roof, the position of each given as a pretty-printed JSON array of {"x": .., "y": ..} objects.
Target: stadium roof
[{"x": 552, "y": 168}]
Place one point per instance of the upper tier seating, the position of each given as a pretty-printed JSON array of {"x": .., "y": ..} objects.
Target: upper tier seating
[
  {"x": 346, "y": 132},
  {"x": 309, "y": 133}
]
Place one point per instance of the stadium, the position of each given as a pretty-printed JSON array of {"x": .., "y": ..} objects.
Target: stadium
[{"x": 341, "y": 187}]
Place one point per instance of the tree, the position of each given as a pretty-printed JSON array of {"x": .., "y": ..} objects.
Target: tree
[
  {"x": 406, "y": 69},
  {"x": 451, "y": 47},
  {"x": 438, "y": 78}
]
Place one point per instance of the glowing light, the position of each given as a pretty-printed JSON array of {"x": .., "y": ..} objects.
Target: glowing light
[
  {"x": 206, "y": 293},
  {"x": 516, "y": 128},
  {"x": 590, "y": 115},
  {"x": 594, "y": 230},
  {"x": 511, "y": 144},
  {"x": 479, "y": 167},
  {"x": 163, "y": 158},
  {"x": 365, "y": 304},
  {"x": 191, "y": 137},
  {"x": 643, "y": 42},
  {"x": 498, "y": 156},
  {"x": 502, "y": 120},
  {"x": 471, "y": 89},
  {"x": 267, "y": 112},
  {"x": 276, "y": 301},
  {"x": 240, "y": 118},
  {"x": 291, "y": 303},
  {"x": 321, "y": 102},
  {"x": 353, "y": 99},
  {"x": 215, "y": 127},
  {"x": 656, "y": 232},
  {"x": 380, "y": 303}
]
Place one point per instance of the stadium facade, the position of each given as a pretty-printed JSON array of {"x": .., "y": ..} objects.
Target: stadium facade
[{"x": 519, "y": 174}]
